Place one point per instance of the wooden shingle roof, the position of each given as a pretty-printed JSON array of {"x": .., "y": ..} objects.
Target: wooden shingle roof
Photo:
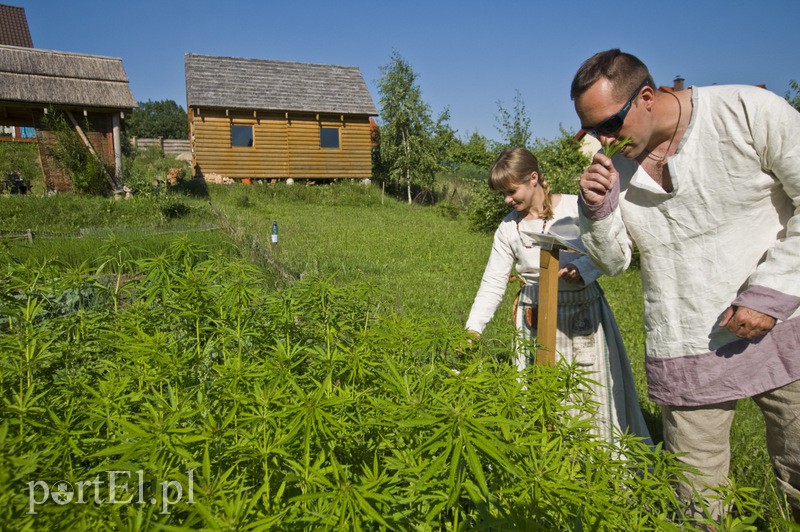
[
  {"x": 30, "y": 75},
  {"x": 269, "y": 85},
  {"x": 14, "y": 29}
]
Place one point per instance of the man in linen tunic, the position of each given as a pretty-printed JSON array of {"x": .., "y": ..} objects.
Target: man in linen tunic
[{"x": 718, "y": 232}]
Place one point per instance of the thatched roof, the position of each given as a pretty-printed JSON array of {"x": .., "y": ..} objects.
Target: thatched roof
[
  {"x": 44, "y": 77},
  {"x": 263, "y": 84},
  {"x": 14, "y": 27}
]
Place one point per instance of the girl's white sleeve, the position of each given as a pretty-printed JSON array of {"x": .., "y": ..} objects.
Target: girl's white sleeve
[{"x": 493, "y": 284}]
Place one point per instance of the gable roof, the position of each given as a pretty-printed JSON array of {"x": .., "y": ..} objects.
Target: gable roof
[
  {"x": 265, "y": 84},
  {"x": 14, "y": 27},
  {"x": 30, "y": 75}
]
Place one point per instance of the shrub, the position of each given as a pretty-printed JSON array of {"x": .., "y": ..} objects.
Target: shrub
[
  {"x": 487, "y": 209},
  {"x": 146, "y": 172},
  {"x": 172, "y": 207}
]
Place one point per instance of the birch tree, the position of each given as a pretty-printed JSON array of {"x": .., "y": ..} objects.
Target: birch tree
[
  {"x": 406, "y": 133},
  {"x": 514, "y": 125}
]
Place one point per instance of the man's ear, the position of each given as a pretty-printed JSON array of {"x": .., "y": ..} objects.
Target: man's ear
[{"x": 648, "y": 95}]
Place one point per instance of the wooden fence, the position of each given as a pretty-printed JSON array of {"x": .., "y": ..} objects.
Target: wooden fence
[{"x": 170, "y": 147}]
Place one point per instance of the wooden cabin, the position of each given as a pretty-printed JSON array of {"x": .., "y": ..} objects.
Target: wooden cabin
[
  {"x": 92, "y": 92},
  {"x": 266, "y": 119}
]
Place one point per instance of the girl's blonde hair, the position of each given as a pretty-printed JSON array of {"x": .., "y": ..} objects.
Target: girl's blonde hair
[{"x": 513, "y": 168}]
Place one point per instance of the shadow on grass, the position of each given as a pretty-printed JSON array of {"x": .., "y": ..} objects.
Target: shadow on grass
[{"x": 193, "y": 187}]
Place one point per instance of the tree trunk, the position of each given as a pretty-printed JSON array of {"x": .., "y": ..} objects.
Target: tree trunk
[{"x": 408, "y": 173}]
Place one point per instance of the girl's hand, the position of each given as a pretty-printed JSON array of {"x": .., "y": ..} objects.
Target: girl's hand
[{"x": 570, "y": 274}]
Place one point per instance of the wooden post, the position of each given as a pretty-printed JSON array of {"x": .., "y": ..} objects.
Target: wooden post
[
  {"x": 548, "y": 306},
  {"x": 115, "y": 134}
]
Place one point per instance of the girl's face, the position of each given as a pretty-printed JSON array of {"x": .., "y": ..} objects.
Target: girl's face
[{"x": 520, "y": 197}]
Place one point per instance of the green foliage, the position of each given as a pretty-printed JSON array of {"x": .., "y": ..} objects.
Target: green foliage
[
  {"x": 487, "y": 209},
  {"x": 421, "y": 263},
  {"x": 562, "y": 162},
  {"x": 161, "y": 118},
  {"x": 514, "y": 125},
  {"x": 407, "y": 149},
  {"x": 300, "y": 409},
  {"x": 146, "y": 171},
  {"x": 86, "y": 172},
  {"x": 793, "y": 94},
  {"x": 477, "y": 151},
  {"x": 444, "y": 137},
  {"x": 612, "y": 148}
]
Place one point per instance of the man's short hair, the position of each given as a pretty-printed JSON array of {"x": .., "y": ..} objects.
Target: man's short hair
[{"x": 624, "y": 71}]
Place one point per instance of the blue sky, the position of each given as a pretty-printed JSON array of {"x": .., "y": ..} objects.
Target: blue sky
[{"x": 468, "y": 54}]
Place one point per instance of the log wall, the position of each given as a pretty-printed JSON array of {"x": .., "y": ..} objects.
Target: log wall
[{"x": 282, "y": 146}]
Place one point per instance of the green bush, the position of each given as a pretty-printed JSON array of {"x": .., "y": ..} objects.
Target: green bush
[
  {"x": 146, "y": 171},
  {"x": 487, "y": 209}
]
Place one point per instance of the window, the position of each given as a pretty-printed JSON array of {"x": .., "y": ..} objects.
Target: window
[
  {"x": 329, "y": 137},
  {"x": 242, "y": 136}
]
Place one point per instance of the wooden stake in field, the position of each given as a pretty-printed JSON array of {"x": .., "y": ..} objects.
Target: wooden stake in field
[
  {"x": 548, "y": 306},
  {"x": 550, "y": 245}
]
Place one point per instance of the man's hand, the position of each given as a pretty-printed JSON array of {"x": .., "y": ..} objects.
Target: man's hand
[
  {"x": 570, "y": 274},
  {"x": 597, "y": 179},
  {"x": 746, "y": 323}
]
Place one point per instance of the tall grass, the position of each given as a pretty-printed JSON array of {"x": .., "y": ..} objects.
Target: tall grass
[
  {"x": 72, "y": 228},
  {"x": 420, "y": 259}
]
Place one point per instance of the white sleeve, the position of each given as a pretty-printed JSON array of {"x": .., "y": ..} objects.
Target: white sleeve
[
  {"x": 604, "y": 234},
  {"x": 493, "y": 284}
]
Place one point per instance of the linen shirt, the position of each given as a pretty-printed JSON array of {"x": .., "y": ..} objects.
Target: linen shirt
[
  {"x": 513, "y": 248},
  {"x": 727, "y": 234}
]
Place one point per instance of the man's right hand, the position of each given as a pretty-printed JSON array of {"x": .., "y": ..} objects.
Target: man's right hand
[{"x": 597, "y": 179}]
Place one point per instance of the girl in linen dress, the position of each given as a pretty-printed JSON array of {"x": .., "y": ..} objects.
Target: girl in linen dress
[{"x": 587, "y": 333}]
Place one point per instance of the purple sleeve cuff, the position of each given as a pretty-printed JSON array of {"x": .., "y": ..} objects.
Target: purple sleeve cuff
[
  {"x": 603, "y": 210},
  {"x": 769, "y": 301}
]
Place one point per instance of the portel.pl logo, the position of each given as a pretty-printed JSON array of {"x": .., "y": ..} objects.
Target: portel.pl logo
[{"x": 121, "y": 487}]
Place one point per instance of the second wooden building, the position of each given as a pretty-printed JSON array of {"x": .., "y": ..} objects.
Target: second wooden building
[{"x": 266, "y": 119}]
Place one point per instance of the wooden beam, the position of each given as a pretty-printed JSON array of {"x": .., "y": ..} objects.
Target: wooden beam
[{"x": 88, "y": 144}]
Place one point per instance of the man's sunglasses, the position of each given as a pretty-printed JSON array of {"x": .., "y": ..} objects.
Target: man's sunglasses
[{"x": 613, "y": 123}]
